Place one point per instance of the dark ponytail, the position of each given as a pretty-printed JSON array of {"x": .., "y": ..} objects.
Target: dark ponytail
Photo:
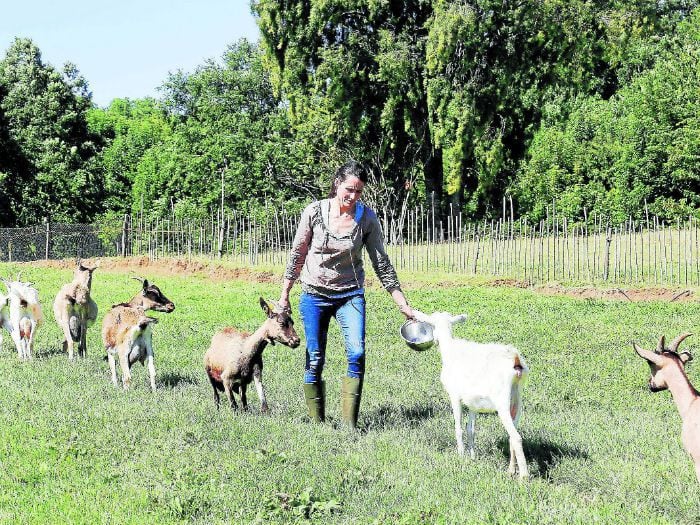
[{"x": 351, "y": 168}]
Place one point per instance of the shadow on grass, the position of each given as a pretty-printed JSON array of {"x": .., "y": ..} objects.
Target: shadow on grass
[
  {"x": 392, "y": 416},
  {"x": 51, "y": 351},
  {"x": 174, "y": 379},
  {"x": 546, "y": 454}
]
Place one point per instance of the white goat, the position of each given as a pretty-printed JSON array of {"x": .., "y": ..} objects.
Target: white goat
[
  {"x": 4, "y": 315},
  {"x": 75, "y": 310},
  {"x": 25, "y": 315},
  {"x": 484, "y": 378}
]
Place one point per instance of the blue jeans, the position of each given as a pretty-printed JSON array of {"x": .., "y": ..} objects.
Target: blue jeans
[{"x": 316, "y": 313}]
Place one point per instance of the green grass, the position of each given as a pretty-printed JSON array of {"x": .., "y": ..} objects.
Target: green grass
[{"x": 601, "y": 448}]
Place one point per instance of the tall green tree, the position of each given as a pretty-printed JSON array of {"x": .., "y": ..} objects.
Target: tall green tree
[
  {"x": 50, "y": 150},
  {"x": 352, "y": 73},
  {"x": 129, "y": 129},
  {"x": 224, "y": 122},
  {"x": 639, "y": 146}
]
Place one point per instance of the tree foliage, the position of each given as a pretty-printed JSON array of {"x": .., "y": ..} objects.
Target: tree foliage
[
  {"x": 48, "y": 170},
  {"x": 639, "y": 146},
  {"x": 352, "y": 73},
  {"x": 456, "y": 104}
]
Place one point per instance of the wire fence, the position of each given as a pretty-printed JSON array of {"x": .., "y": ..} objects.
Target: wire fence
[{"x": 650, "y": 251}]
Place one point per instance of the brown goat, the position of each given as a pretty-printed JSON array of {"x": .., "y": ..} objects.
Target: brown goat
[
  {"x": 234, "y": 358},
  {"x": 126, "y": 332},
  {"x": 668, "y": 373},
  {"x": 75, "y": 310}
]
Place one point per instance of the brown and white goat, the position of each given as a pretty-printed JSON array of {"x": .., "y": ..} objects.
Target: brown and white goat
[
  {"x": 234, "y": 358},
  {"x": 668, "y": 373},
  {"x": 25, "y": 315},
  {"x": 75, "y": 310},
  {"x": 126, "y": 332}
]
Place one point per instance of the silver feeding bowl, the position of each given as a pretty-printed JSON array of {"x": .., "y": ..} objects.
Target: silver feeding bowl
[{"x": 418, "y": 335}]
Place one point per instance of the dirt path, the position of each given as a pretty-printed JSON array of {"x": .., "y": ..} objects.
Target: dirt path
[{"x": 143, "y": 266}]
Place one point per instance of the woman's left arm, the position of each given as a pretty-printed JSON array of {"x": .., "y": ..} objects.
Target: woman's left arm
[
  {"x": 374, "y": 244},
  {"x": 400, "y": 300}
]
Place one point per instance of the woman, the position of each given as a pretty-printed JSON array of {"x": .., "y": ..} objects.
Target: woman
[{"x": 326, "y": 257}]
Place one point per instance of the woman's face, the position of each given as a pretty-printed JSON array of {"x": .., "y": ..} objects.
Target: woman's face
[{"x": 349, "y": 191}]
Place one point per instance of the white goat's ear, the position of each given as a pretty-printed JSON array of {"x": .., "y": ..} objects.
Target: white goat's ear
[
  {"x": 419, "y": 316},
  {"x": 652, "y": 357},
  {"x": 459, "y": 318},
  {"x": 686, "y": 357}
]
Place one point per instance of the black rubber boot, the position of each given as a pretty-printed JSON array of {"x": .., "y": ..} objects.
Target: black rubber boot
[
  {"x": 315, "y": 394},
  {"x": 350, "y": 395}
]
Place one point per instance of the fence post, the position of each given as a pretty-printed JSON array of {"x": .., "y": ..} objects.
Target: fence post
[
  {"x": 124, "y": 226},
  {"x": 606, "y": 260},
  {"x": 221, "y": 235},
  {"x": 48, "y": 238}
]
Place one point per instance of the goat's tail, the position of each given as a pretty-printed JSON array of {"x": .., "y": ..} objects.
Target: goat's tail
[{"x": 521, "y": 370}]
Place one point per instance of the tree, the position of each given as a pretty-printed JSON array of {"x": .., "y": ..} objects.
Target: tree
[
  {"x": 129, "y": 128},
  {"x": 641, "y": 145},
  {"x": 352, "y": 75},
  {"x": 50, "y": 150},
  {"x": 222, "y": 119}
]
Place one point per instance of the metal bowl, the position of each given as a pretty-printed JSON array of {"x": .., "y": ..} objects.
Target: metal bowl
[{"x": 417, "y": 335}]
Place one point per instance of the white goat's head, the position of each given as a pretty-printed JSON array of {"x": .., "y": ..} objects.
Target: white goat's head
[
  {"x": 664, "y": 361},
  {"x": 441, "y": 322}
]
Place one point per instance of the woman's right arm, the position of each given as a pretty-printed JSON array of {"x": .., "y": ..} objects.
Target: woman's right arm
[{"x": 297, "y": 255}]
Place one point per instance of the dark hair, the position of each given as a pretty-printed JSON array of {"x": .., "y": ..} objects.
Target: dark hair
[{"x": 351, "y": 168}]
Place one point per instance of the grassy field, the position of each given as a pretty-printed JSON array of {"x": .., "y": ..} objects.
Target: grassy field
[{"x": 601, "y": 448}]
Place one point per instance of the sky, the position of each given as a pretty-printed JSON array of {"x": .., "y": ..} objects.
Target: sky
[{"x": 126, "y": 48}]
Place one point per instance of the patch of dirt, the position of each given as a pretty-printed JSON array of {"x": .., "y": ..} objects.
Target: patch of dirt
[
  {"x": 511, "y": 283},
  {"x": 145, "y": 267},
  {"x": 630, "y": 294}
]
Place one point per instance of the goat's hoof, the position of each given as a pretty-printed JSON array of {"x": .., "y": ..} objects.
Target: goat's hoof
[{"x": 265, "y": 409}]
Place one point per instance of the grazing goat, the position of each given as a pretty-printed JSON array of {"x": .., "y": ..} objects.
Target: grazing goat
[
  {"x": 75, "y": 310},
  {"x": 25, "y": 315},
  {"x": 668, "y": 373},
  {"x": 126, "y": 332},
  {"x": 235, "y": 358},
  {"x": 4, "y": 315},
  {"x": 485, "y": 378}
]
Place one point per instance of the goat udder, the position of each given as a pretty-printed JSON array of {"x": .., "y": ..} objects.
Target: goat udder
[{"x": 214, "y": 373}]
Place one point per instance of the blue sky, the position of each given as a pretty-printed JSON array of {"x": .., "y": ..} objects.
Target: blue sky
[{"x": 126, "y": 48}]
